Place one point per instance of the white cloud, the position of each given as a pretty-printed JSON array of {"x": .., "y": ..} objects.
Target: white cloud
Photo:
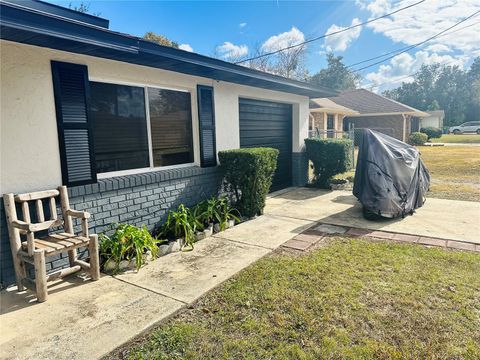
[
  {"x": 283, "y": 40},
  {"x": 399, "y": 68},
  {"x": 438, "y": 48},
  {"x": 416, "y": 24},
  {"x": 185, "y": 47},
  {"x": 231, "y": 51},
  {"x": 425, "y": 20},
  {"x": 340, "y": 42},
  {"x": 242, "y": 25}
]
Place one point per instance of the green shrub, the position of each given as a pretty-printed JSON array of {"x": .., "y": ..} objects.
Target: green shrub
[
  {"x": 248, "y": 177},
  {"x": 329, "y": 157},
  {"x": 417, "y": 138},
  {"x": 128, "y": 242},
  {"x": 432, "y": 132}
]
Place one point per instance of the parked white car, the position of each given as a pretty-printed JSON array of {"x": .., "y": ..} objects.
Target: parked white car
[{"x": 468, "y": 127}]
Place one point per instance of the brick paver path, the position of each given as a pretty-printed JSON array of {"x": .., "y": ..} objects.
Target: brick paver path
[{"x": 311, "y": 236}]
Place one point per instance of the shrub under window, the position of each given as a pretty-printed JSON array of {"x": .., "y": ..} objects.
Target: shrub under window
[
  {"x": 329, "y": 157},
  {"x": 432, "y": 132},
  {"x": 248, "y": 177},
  {"x": 417, "y": 138}
]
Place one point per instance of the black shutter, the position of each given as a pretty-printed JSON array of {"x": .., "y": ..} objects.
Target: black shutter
[
  {"x": 71, "y": 89},
  {"x": 206, "y": 118}
]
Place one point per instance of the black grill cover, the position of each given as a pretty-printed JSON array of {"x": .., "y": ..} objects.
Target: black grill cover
[{"x": 390, "y": 179}]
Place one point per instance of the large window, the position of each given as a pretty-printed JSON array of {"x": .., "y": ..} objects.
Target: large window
[
  {"x": 171, "y": 126},
  {"x": 121, "y": 121}
]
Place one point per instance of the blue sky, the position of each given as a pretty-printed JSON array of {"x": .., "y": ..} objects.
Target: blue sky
[{"x": 233, "y": 28}]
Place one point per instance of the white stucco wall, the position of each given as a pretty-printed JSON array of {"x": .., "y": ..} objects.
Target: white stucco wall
[{"x": 30, "y": 158}]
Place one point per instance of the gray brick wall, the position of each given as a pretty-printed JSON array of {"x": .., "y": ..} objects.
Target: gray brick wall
[
  {"x": 135, "y": 199},
  {"x": 299, "y": 169}
]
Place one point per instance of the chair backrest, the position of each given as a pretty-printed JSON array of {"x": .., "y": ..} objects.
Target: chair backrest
[{"x": 38, "y": 198}]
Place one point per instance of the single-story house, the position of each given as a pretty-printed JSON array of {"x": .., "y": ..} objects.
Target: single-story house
[
  {"x": 375, "y": 112},
  {"x": 326, "y": 117},
  {"x": 133, "y": 128},
  {"x": 434, "y": 119}
]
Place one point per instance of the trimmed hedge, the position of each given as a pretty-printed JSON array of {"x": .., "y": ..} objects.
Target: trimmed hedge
[
  {"x": 432, "y": 132},
  {"x": 329, "y": 157},
  {"x": 248, "y": 175},
  {"x": 417, "y": 138}
]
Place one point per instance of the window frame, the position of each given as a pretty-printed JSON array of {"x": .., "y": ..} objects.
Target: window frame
[{"x": 152, "y": 168}]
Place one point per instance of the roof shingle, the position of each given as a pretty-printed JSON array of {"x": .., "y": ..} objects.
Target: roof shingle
[{"x": 367, "y": 102}]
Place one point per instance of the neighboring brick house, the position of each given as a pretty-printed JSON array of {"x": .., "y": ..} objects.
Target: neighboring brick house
[
  {"x": 133, "y": 128},
  {"x": 326, "y": 118},
  {"x": 373, "y": 111}
]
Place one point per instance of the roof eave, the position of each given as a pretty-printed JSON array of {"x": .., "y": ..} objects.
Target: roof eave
[
  {"x": 336, "y": 111},
  {"x": 31, "y": 27},
  {"x": 411, "y": 113}
]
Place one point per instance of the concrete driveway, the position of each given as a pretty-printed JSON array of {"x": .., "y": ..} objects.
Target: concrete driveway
[
  {"x": 439, "y": 218},
  {"x": 85, "y": 320}
]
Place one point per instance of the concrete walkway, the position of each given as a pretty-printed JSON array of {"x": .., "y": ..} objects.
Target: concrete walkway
[
  {"x": 85, "y": 320},
  {"x": 439, "y": 218}
]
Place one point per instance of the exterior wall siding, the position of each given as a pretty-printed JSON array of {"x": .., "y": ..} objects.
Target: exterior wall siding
[
  {"x": 28, "y": 110},
  {"x": 30, "y": 157},
  {"x": 388, "y": 124},
  {"x": 318, "y": 121},
  {"x": 135, "y": 199}
]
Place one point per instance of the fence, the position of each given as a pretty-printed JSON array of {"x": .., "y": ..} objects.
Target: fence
[{"x": 336, "y": 134}]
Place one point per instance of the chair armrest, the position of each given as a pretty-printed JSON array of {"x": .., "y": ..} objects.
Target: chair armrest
[
  {"x": 78, "y": 214},
  {"x": 34, "y": 227},
  {"x": 22, "y": 225}
]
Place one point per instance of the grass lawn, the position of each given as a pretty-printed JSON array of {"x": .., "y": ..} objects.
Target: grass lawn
[
  {"x": 464, "y": 138},
  {"x": 350, "y": 299},
  {"x": 454, "y": 171}
]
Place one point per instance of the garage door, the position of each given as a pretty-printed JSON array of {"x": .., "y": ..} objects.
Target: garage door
[{"x": 269, "y": 124}]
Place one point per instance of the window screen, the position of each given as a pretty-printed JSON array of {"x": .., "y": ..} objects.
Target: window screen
[
  {"x": 171, "y": 126},
  {"x": 119, "y": 127}
]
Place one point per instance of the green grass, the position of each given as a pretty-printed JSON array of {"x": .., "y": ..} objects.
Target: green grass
[
  {"x": 352, "y": 299},
  {"x": 463, "y": 138},
  {"x": 454, "y": 171}
]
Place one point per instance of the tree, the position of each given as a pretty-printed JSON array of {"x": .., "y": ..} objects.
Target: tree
[
  {"x": 336, "y": 75},
  {"x": 473, "y": 103},
  {"x": 289, "y": 63},
  {"x": 160, "y": 39},
  {"x": 83, "y": 8},
  {"x": 449, "y": 88},
  {"x": 433, "y": 106}
]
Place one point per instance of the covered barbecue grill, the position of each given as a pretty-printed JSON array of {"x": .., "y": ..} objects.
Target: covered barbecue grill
[{"x": 390, "y": 179}]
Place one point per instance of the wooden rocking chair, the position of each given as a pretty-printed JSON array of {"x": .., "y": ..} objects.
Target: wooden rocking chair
[{"x": 35, "y": 249}]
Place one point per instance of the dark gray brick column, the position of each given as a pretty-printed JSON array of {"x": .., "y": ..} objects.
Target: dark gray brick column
[{"x": 299, "y": 169}]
